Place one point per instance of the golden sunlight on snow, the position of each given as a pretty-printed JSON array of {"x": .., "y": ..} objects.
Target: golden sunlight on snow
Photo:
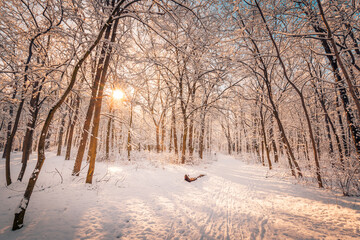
[{"x": 115, "y": 169}]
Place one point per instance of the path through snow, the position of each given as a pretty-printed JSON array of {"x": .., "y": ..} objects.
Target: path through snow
[{"x": 152, "y": 201}]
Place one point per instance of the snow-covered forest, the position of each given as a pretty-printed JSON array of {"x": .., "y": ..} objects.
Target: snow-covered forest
[{"x": 105, "y": 106}]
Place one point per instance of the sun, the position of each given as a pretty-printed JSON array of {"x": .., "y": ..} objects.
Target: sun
[{"x": 117, "y": 94}]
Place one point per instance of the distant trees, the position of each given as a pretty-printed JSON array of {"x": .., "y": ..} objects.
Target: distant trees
[{"x": 299, "y": 55}]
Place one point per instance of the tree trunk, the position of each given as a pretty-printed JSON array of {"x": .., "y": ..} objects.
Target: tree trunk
[
  {"x": 272, "y": 137},
  {"x": 202, "y": 133},
  {"x": 61, "y": 133},
  {"x": 343, "y": 135},
  {"x": 163, "y": 133},
  {"x": 229, "y": 138},
  {"x": 265, "y": 144},
  {"x": 9, "y": 125},
  {"x": 174, "y": 130},
  {"x": 129, "y": 133},
  {"x": 170, "y": 138},
  {"x": 157, "y": 135},
  {"x": 71, "y": 131},
  {"x": 236, "y": 136},
  {"x": 89, "y": 113},
  {"x": 98, "y": 103},
  {"x": 10, "y": 141},
  {"x": 68, "y": 128},
  {"x": 255, "y": 144},
  {"x": 107, "y": 146},
  {"x": 190, "y": 142},
  {"x": 28, "y": 139},
  {"x": 184, "y": 136}
]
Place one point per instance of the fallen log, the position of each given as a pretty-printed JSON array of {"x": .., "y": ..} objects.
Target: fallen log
[{"x": 190, "y": 179}]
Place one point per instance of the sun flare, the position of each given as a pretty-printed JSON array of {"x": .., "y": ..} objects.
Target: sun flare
[{"x": 118, "y": 94}]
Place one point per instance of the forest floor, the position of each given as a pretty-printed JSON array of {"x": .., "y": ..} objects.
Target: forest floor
[{"x": 149, "y": 199}]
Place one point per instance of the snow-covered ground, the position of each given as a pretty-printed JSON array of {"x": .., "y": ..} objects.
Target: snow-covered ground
[{"x": 147, "y": 199}]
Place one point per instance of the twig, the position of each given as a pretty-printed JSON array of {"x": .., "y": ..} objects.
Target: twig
[
  {"x": 107, "y": 172},
  {"x": 62, "y": 180},
  {"x": 84, "y": 167}
]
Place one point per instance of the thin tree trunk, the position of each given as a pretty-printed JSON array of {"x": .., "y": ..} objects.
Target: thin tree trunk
[
  {"x": 343, "y": 135},
  {"x": 237, "y": 136},
  {"x": 170, "y": 138},
  {"x": 157, "y": 136},
  {"x": 61, "y": 133},
  {"x": 163, "y": 133},
  {"x": 174, "y": 130},
  {"x": 68, "y": 128},
  {"x": 10, "y": 141},
  {"x": 129, "y": 133},
  {"x": 184, "y": 136},
  {"x": 202, "y": 133},
  {"x": 107, "y": 146},
  {"x": 190, "y": 142},
  {"x": 229, "y": 138},
  {"x": 28, "y": 139},
  {"x": 272, "y": 137},
  {"x": 72, "y": 127},
  {"x": 7, "y": 146},
  {"x": 264, "y": 139},
  {"x": 9, "y": 125}
]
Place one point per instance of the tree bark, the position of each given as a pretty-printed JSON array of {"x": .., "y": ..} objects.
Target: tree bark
[
  {"x": 265, "y": 144},
  {"x": 157, "y": 135},
  {"x": 72, "y": 128},
  {"x": 272, "y": 137},
  {"x": 10, "y": 141},
  {"x": 98, "y": 103},
  {"x": 9, "y": 125},
  {"x": 61, "y": 133},
  {"x": 28, "y": 139},
  {"x": 184, "y": 136},
  {"x": 163, "y": 133},
  {"x": 108, "y": 132},
  {"x": 202, "y": 133},
  {"x": 174, "y": 130},
  {"x": 89, "y": 113},
  {"x": 129, "y": 133}
]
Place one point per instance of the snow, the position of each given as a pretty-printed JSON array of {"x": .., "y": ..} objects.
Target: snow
[
  {"x": 149, "y": 199},
  {"x": 23, "y": 204}
]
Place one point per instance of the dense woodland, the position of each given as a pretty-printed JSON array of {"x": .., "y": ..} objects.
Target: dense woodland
[{"x": 96, "y": 80}]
